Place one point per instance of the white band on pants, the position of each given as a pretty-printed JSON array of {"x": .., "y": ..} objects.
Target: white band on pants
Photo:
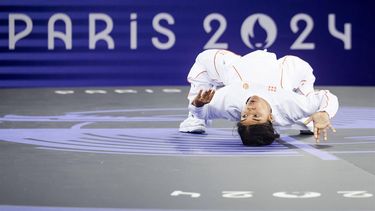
[
  {"x": 210, "y": 70},
  {"x": 297, "y": 75}
]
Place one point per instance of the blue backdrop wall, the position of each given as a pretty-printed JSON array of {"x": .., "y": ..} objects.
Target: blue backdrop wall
[{"x": 154, "y": 42}]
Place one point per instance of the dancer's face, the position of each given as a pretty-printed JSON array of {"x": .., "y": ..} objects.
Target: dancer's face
[{"x": 256, "y": 111}]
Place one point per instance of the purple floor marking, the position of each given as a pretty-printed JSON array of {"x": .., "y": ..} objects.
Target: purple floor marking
[
  {"x": 38, "y": 208},
  {"x": 162, "y": 141},
  {"x": 184, "y": 155},
  {"x": 136, "y": 141},
  {"x": 353, "y": 152},
  {"x": 347, "y": 117},
  {"x": 309, "y": 149}
]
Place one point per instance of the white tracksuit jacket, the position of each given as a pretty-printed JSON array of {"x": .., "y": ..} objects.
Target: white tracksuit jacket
[{"x": 287, "y": 107}]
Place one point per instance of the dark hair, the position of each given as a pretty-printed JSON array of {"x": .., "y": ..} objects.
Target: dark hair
[{"x": 257, "y": 135}]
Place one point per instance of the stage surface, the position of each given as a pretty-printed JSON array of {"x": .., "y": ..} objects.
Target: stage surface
[{"x": 117, "y": 148}]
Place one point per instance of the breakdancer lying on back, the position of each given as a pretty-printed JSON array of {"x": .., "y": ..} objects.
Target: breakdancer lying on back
[{"x": 258, "y": 91}]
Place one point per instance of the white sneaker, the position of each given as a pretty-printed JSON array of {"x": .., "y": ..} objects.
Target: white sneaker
[{"x": 193, "y": 125}]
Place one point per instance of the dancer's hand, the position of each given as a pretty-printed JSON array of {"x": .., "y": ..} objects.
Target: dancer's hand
[
  {"x": 321, "y": 124},
  {"x": 203, "y": 97}
]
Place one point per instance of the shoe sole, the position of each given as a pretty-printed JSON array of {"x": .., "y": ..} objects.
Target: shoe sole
[
  {"x": 198, "y": 130},
  {"x": 306, "y": 132}
]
